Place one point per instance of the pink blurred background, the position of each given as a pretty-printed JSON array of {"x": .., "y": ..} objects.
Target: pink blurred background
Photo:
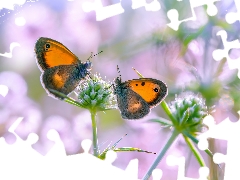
[{"x": 136, "y": 38}]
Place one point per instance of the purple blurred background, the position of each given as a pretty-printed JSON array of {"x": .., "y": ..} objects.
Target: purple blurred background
[{"x": 136, "y": 38}]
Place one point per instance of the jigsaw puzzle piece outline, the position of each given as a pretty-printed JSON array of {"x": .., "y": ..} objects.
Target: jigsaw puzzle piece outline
[
  {"x": 3, "y": 90},
  {"x": 173, "y": 14},
  {"x": 9, "y": 4},
  {"x": 12, "y": 46},
  {"x": 153, "y": 6},
  {"x": 180, "y": 162},
  {"x": 157, "y": 174},
  {"x": 219, "y": 54},
  {"x": 58, "y": 149},
  {"x": 232, "y": 17},
  {"x": 103, "y": 12},
  {"x": 26, "y": 166},
  {"x": 232, "y": 157}
]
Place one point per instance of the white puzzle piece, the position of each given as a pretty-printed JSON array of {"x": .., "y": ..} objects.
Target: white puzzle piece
[
  {"x": 180, "y": 162},
  {"x": 219, "y": 54},
  {"x": 230, "y": 132},
  {"x": 232, "y": 17},
  {"x": 21, "y": 161},
  {"x": 173, "y": 14},
  {"x": 102, "y": 12},
  {"x": 12, "y": 46}
]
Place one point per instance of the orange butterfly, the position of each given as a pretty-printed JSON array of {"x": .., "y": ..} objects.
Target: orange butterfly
[
  {"x": 61, "y": 69},
  {"x": 137, "y": 97}
]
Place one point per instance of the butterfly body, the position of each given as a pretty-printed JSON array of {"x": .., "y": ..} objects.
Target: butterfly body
[
  {"x": 61, "y": 69},
  {"x": 136, "y": 97}
]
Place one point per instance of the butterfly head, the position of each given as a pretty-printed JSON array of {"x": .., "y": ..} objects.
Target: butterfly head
[
  {"x": 87, "y": 65},
  {"x": 85, "y": 68}
]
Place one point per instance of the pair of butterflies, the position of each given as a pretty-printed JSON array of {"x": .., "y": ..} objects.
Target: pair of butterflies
[{"x": 62, "y": 71}]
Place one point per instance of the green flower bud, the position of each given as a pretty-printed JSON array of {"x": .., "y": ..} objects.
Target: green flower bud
[
  {"x": 95, "y": 93},
  {"x": 189, "y": 110}
]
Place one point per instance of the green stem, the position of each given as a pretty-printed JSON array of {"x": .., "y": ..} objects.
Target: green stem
[
  {"x": 161, "y": 154},
  {"x": 94, "y": 130},
  {"x": 195, "y": 151},
  {"x": 168, "y": 112},
  {"x": 185, "y": 133}
]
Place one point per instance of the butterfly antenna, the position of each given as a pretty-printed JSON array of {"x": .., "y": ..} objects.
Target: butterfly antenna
[
  {"x": 138, "y": 73},
  {"x": 91, "y": 56},
  {"x": 98, "y": 53},
  {"x": 118, "y": 70}
]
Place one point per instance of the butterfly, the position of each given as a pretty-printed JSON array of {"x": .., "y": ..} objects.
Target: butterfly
[
  {"x": 136, "y": 97},
  {"x": 62, "y": 71}
]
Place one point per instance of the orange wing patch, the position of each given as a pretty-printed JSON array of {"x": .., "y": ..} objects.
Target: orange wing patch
[
  {"x": 51, "y": 53},
  {"x": 134, "y": 107},
  {"x": 58, "y": 81},
  {"x": 57, "y": 55},
  {"x": 149, "y": 91}
]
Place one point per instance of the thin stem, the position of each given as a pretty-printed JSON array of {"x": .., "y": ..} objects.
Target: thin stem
[
  {"x": 185, "y": 133},
  {"x": 195, "y": 151},
  {"x": 168, "y": 112},
  {"x": 161, "y": 154},
  {"x": 94, "y": 131}
]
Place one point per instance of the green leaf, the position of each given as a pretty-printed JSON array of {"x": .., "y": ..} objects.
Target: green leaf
[
  {"x": 66, "y": 98},
  {"x": 124, "y": 149},
  {"x": 162, "y": 121},
  {"x": 184, "y": 117},
  {"x": 103, "y": 154}
]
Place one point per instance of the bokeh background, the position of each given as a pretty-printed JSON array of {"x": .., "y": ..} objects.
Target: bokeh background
[{"x": 136, "y": 38}]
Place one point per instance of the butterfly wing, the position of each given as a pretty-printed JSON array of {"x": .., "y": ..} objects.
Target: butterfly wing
[
  {"x": 153, "y": 91},
  {"x": 64, "y": 79},
  {"x": 130, "y": 104},
  {"x": 51, "y": 53}
]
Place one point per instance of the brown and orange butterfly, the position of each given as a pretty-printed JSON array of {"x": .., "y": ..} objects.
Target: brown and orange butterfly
[
  {"x": 62, "y": 71},
  {"x": 137, "y": 97}
]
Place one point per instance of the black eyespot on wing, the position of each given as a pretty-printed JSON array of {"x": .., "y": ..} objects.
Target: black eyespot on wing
[
  {"x": 47, "y": 46},
  {"x": 156, "y": 90}
]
